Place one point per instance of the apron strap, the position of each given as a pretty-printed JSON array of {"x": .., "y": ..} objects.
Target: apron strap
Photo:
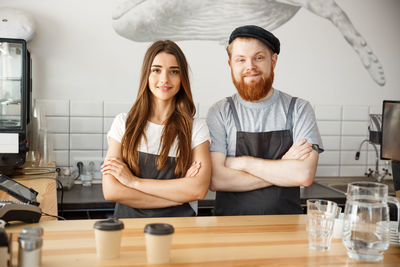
[
  {"x": 234, "y": 113},
  {"x": 289, "y": 116}
]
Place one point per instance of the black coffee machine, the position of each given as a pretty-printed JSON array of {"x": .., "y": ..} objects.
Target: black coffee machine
[{"x": 15, "y": 103}]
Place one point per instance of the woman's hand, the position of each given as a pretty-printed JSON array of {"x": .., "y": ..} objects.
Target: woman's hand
[
  {"x": 193, "y": 169},
  {"x": 117, "y": 168},
  {"x": 300, "y": 150}
]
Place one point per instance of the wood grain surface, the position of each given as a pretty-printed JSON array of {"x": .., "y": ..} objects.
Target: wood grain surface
[
  {"x": 47, "y": 189},
  {"x": 277, "y": 240}
]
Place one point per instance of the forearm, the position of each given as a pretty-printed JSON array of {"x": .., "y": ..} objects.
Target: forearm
[
  {"x": 280, "y": 172},
  {"x": 181, "y": 190},
  {"x": 227, "y": 179},
  {"x": 117, "y": 192}
]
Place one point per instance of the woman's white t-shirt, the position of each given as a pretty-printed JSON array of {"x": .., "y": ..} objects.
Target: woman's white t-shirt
[{"x": 153, "y": 132}]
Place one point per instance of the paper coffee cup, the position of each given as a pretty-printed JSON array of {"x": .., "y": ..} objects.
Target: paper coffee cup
[
  {"x": 158, "y": 242},
  {"x": 108, "y": 238}
]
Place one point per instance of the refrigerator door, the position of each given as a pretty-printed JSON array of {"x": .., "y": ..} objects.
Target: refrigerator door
[{"x": 12, "y": 86}]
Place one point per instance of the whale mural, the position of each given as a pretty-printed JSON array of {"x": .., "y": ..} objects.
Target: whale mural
[{"x": 179, "y": 20}]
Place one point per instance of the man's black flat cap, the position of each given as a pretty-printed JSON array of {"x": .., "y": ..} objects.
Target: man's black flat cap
[{"x": 259, "y": 33}]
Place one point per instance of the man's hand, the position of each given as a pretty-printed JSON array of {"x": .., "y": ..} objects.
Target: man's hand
[
  {"x": 300, "y": 150},
  {"x": 117, "y": 168}
]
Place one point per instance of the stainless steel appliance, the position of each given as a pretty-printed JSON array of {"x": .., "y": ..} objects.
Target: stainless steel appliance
[{"x": 15, "y": 102}]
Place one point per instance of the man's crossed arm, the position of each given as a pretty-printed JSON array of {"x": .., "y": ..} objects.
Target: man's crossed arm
[{"x": 238, "y": 174}]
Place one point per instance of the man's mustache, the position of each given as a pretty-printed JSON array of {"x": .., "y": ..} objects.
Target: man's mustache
[{"x": 251, "y": 73}]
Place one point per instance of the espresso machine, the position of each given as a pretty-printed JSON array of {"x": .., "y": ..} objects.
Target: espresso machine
[{"x": 15, "y": 103}]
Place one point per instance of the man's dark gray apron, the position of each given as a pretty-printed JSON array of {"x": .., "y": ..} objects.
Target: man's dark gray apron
[
  {"x": 266, "y": 145},
  {"x": 148, "y": 168}
]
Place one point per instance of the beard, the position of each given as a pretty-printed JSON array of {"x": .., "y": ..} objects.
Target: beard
[{"x": 254, "y": 91}]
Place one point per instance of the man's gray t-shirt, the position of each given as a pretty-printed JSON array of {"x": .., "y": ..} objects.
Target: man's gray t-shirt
[{"x": 264, "y": 116}]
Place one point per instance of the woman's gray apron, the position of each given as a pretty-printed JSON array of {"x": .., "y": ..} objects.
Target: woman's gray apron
[
  {"x": 266, "y": 145},
  {"x": 148, "y": 168}
]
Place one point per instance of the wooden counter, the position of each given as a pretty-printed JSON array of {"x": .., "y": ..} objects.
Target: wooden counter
[
  {"x": 46, "y": 188},
  {"x": 279, "y": 240}
]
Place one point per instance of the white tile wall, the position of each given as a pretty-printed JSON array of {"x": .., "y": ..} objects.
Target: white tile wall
[
  {"x": 57, "y": 124},
  {"x": 60, "y": 141},
  {"x": 84, "y": 154},
  {"x": 86, "y": 108},
  {"x": 355, "y": 113},
  {"x": 352, "y": 170},
  {"x": 331, "y": 142},
  {"x": 86, "y": 141},
  {"x": 355, "y": 128},
  {"x": 348, "y": 158},
  {"x": 53, "y": 107},
  {"x": 107, "y": 124},
  {"x": 327, "y": 170},
  {"x": 329, "y": 158},
  {"x": 61, "y": 157},
  {"x": 333, "y": 113},
  {"x": 86, "y": 125},
  {"x": 375, "y": 109},
  {"x": 329, "y": 127},
  {"x": 353, "y": 143},
  {"x": 79, "y": 129}
]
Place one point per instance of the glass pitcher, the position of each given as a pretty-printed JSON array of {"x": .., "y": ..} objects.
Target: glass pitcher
[{"x": 366, "y": 231}]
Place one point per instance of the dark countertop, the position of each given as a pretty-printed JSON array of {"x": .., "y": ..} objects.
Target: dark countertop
[{"x": 91, "y": 198}]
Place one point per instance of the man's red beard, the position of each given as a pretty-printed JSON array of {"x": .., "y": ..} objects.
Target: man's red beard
[{"x": 255, "y": 91}]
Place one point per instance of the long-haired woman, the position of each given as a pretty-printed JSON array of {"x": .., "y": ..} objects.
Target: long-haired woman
[{"x": 158, "y": 161}]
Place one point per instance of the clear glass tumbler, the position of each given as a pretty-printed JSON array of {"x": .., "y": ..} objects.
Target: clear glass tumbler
[{"x": 321, "y": 216}]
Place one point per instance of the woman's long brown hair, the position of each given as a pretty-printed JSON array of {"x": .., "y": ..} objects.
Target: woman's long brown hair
[{"x": 179, "y": 124}]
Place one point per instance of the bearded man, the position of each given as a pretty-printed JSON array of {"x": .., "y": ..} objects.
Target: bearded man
[{"x": 264, "y": 143}]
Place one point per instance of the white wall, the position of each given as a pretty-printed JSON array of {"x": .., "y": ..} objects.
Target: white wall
[
  {"x": 85, "y": 73},
  {"x": 77, "y": 55}
]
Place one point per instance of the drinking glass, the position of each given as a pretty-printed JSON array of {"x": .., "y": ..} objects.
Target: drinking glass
[{"x": 321, "y": 216}]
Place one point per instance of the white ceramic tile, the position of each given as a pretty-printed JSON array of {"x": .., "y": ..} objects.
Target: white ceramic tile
[
  {"x": 355, "y": 113},
  {"x": 372, "y": 159},
  {"x": 107, "y": 124},
  {"x": 331, "y": 142},
  {"x": 356, "y": 171},
  {"x": 57, "y": 124},
  {"x": 352, "y": 143},
  {"x": 327, "y": 171},
  {"x": 105, "y": 142},
  {"x": 202, "y": 109},
  {"x": 84, "y": 153},
  {"x": 61, "y": 157},
  {"x": 329, "y": 127},
  {"x": 328, "y": 112},
  {"x": 53, "y": 107},
  {"x": 86, "y": 141},
  {"x": 375, "y": 109},
  {"x": 60, "y": 141},
  {"x": 86, "y": 108},
  {"x": 355, "y": 128},
  {"x": 113, "y": 108},
  {"x": 86, "y": 125},
  {"x": 329, "y": 158},
  {"x": 348, "y": 158}
]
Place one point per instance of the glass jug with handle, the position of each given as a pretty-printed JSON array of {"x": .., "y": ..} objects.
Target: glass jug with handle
[{"x": 366, "y": 231}]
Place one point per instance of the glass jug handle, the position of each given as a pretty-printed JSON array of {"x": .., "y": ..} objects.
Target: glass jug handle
[{"x": 394, "y": 201}]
